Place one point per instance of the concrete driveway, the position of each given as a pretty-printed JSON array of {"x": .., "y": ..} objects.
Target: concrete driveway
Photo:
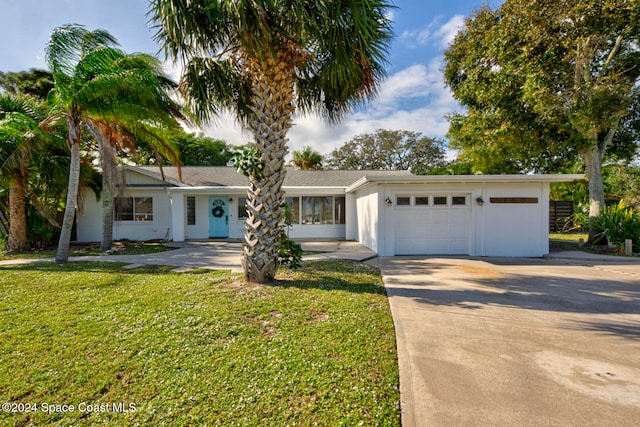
[{"x": 516, "y": 342}]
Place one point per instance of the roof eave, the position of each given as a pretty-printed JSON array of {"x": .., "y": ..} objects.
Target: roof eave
[
  {"x": 155, "y": 175},
  {"x": 446, "y": 179}
]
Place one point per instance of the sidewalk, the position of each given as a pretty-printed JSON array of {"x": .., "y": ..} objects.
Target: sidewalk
[
  {"x": 587, "y": 256},
  {"x": 216, "y": 255}
]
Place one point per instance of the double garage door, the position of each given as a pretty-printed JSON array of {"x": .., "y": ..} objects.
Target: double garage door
[{"x": 430, "y": 224}]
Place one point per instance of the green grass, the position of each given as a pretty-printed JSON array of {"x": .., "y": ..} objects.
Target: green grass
[
  {"x": 566, "y": 241},
  {"x": 124, "y": 248},
  {"x": 569, "y": 237},
  {"x": 200, "y": 348}
]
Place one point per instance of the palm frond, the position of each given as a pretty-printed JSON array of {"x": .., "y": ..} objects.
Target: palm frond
[
  {"x": 20, "y": 133},
  {"x": 350, "y": 58},
  {"x": 187, "y": 28},
  {"x": 69, "y": 43},
  {"x": 338, "y": 49},
  {"x": 213, "y": 86}
]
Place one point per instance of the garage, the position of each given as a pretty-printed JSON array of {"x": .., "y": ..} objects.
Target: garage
[{"x": 432, "y": 224}]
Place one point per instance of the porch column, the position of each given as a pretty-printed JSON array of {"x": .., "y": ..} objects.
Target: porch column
[
  {"x": 351, "y": 217},
  {"x": 177, "y": 217}
]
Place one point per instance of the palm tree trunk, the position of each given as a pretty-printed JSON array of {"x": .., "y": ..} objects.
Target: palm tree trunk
[
  {"x": 107, "y": 215},
  {"x": 272, "y": 110},
  {"x": 17, "y": 240},
  {"x": 107, "y": 157},
  {"x": 62, "y": 255}
]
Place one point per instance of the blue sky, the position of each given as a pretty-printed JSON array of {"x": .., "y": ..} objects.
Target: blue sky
[{"x": 413, "y": 97}]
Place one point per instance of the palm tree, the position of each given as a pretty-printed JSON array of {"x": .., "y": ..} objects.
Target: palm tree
[
  {"x": 20, "y": 136},
  {"x": 307, "y": 159},
  {"x": 263, "y": 60},
  {"x": 91, "y": 90},
  {"x": 122, "y": 138}
]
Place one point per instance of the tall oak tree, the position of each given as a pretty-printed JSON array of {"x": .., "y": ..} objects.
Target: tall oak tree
[{"x": 544, "y": 82}]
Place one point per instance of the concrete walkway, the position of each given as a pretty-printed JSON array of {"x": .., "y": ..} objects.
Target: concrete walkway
[
  {"x": 216, "y": 255},
  {"x": 516, "y": 342}
]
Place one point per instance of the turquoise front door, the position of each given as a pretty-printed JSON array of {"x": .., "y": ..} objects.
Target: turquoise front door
[{"x": 218, "y": 216}]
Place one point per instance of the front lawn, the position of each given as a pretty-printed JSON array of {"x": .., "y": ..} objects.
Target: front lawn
[{"x": 151, "y": 347}]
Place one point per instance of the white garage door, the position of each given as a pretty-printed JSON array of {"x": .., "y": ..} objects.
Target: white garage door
[{"x": 432, "y": 224}]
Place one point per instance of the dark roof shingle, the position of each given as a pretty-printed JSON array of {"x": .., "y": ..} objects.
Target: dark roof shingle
[{"x": 223, "y": 176}]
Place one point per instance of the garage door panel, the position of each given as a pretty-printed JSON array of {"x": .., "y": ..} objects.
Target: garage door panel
[
  {"x": 404, "y": 247},
  {"x": 432, "y": 230},
  {"x": 439, "y": 247},
  {"x": 439, "y": 217},
  {"x": 459, "y": 246},
  {"x": 457, "y": 216},
  {"x": 404, "y": 233},
  {"x": 438, "y": 232},
  {"x": 459, "y": 232}
]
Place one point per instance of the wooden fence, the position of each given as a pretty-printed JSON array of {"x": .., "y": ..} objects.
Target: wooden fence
[{"x": 559, "y": 213}]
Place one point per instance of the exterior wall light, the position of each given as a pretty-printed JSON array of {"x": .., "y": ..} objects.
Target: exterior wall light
[
  {"x": 480, "y": 201},
  {"x": 388, "y": 201}
]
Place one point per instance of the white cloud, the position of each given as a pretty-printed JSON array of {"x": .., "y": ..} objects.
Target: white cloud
[
  {"x": 413, "y": 83},
  {"x": 435, "y": 33},
  {"x": 412, "y": 99},
  {"x": 173, "y": 69},
  {"x": 448, "y": 31},
  {"x": 418, "y": 37}
]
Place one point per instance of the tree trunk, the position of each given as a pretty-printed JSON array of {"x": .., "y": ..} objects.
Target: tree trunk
[
  {"x": 271, "y": 120},
  {"x": 107, "y": 215},
  {"x": 593, "y": 162},
  {"x": 62, "y": 255},
  {"x": 17, "y": 240},
  {"x": 107, "y": 156}
]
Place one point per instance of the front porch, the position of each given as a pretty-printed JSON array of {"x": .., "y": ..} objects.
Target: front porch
[{"x": 204, "y": 215}]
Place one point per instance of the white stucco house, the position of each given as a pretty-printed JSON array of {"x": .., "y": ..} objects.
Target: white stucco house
[{"x": 390, "y": 212}]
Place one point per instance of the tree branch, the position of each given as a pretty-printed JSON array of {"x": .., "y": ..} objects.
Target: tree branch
[{"x": 612, "y": 54}]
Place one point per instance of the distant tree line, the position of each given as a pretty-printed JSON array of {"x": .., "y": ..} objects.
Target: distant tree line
[{"x": 389, "y": 150}]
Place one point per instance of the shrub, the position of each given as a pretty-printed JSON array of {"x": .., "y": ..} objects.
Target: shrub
[
  {"x": 579, "y": 219},
  {"x": 289, "y": 252},
  {"x": 618, "y": 223}
]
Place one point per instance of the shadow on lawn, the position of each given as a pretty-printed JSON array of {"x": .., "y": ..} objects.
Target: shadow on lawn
[
  {"x": 334, "y": 275},
  {"x": 89, "y": 266}
]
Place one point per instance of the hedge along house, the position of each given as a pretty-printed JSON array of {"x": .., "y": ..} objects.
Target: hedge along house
[{"x": 390, "y": 212}]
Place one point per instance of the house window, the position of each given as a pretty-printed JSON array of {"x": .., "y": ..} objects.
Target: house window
[
  {"x": 458, "y": 200},
  {"x": 191, "y": 210},
  {"x": 340, "y": 209},
  {"x": 403, "y": 201},
  {"x": 440, "y": 200},
  {"x": 134, "y": 209},
  {"x": 317, "y": 210},
  {"x": 242, "y": 208},
  {"x": 422, "y": 200},
  {"x": 294, "y": 209},
  {"x": 310, "y": 210}
]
